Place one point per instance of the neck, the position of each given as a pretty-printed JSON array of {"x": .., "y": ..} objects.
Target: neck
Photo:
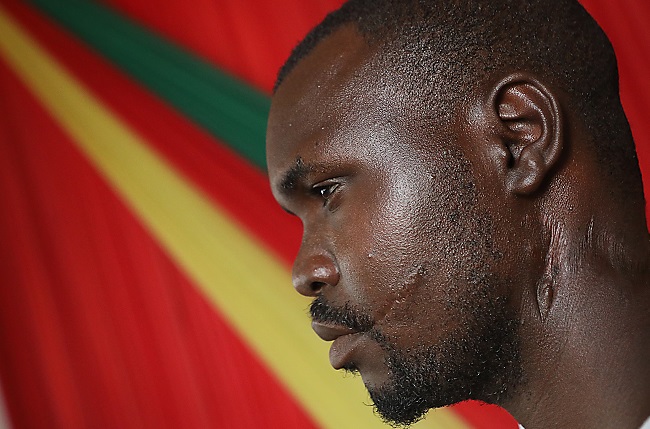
[{"x": 587, "y": 340}]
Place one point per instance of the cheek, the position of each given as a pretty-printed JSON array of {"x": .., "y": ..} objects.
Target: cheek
[
  {"x": 388, "y": 252},
  {"x": 411, "y": 264},
  {"x": 418, "y": 310}
]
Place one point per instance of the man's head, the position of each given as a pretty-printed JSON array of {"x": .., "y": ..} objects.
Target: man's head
[
  {"x": 425, "y": 145},
  {"x": 446, "y": 48}
]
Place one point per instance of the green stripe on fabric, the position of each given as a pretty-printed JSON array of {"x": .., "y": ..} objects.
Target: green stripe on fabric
[{"x": 227, "y": 108}]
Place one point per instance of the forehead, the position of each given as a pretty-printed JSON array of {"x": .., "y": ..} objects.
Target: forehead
[
  {"x": 328, "y": 102},
  {"x": 334, "y": 64}
]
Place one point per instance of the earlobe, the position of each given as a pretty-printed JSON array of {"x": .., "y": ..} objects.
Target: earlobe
[{"x": 530, "y": 127}]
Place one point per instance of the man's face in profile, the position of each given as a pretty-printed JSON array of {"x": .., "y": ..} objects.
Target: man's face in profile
[{"x": 399, "y": 247}]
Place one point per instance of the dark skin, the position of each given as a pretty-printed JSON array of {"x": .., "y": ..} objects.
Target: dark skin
[{"x": 392, "y": 229}]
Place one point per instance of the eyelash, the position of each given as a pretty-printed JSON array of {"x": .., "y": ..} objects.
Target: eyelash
[{"x": 325, "y": 191}]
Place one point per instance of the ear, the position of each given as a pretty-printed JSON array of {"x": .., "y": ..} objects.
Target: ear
[{"x": 530, "y": 127}]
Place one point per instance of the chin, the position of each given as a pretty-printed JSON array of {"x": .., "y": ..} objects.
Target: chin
[
  {"x": 484, "y": 366},
  {"x": 397, "y": 409},
  {"x": 375, "y": 380}
]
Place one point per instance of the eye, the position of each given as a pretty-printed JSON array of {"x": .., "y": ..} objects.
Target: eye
[{"x": 325, "y": 190}]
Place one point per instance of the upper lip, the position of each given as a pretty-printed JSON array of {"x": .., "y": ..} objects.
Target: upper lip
[{"x": 329, "y": 332}]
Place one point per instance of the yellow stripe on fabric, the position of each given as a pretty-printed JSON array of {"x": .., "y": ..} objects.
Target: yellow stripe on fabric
[{"x": 246, "y": 284}]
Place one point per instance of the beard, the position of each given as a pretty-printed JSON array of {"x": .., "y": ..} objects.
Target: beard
[{"x": 479, "y": 360}]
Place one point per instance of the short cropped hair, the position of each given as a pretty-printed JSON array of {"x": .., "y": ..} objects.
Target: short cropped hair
[{"x": 461, "y": 42}]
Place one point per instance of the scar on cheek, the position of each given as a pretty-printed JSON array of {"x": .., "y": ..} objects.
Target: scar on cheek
[{"x": 400, "y": 303}]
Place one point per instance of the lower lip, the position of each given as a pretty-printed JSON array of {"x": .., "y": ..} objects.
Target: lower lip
[{"x": 342, "y": 349}]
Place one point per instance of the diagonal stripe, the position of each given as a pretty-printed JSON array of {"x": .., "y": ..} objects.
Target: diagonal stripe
[
  {"x": 244, "y": 282},
  {"x": 221, "y": 104},
  {"x": 234, "y": 183}
]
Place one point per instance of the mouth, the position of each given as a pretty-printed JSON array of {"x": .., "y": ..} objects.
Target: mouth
[{"x": 345, "y": 341}]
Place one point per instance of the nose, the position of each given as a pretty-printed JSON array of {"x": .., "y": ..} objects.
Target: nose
[{"x": 313, "y": 272}]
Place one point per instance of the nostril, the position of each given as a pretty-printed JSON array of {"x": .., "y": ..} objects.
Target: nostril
[{"x": 316, "y": 287}]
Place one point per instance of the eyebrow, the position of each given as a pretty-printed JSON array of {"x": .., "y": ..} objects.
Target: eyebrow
[{"x": 294, "y": 175}]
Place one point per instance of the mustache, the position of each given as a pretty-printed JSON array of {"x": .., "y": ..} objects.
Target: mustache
[{"x": 323, "y": 312}]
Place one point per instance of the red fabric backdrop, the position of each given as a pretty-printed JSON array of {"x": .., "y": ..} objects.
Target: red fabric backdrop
[{"x": 98, "y": 327}]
